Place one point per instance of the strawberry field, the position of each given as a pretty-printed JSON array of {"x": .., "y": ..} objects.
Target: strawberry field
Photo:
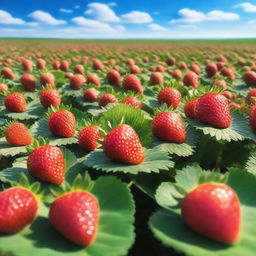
[{"x": 127, "y": 148}]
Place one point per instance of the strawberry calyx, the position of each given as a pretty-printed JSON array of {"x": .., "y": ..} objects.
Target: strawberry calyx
[
  {"x": 12, "y": 90},
  {"x": 163, "y": 108},
  {"x": 40, "y": 141},
  {"x": 46, "y": 87},
  {"x": 53, "y": 109}
]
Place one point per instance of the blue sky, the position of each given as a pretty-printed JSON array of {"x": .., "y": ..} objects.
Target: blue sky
[{"x": 128, "y": 19}]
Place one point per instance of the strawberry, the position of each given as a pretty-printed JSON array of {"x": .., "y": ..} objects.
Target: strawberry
[
  {"x": 18, "y": 134},
  {"x": 177, "y": 74},
  {"x": 160, "y": 68},
  {"x": 69, "y": 75},
  {"x": 220, "y": 65},
  {"x": 222, "y": 83},
  {"x": 47, "y": 163},
  {"x": 252, "y": 117},
  {"x": 18, "y": 208},
  {"x": 7, "y": 73},
  {"x": 41, "y": 64},
  {"x": 97, "y": 64},
  {"x": 15, "y": 102},
  {"x": 171, "y": 61},
  {"x": 250, "y": 78},
  {"x": 189, "y": 109},
  {"x": 47, "y": 79},
  {"x": 133, "y": 101},
  {"x": 168, "y": 126},
  {"x": 107, "y": 98},
  {"x": 91, "y": 95},
  {"x": 62, "y": 123},
  {"x": 27, "y": 65},
  {"x": 228, "y": 72},
  {"x": 75, "y": 215},
  {"x": 77, "y": 81},
  {"x": 50, "y": 97},
  {"x": 93, "y": 79},
  {"x": 88, "y": 137},
  {"x": 213, "y": 109},
  {"x": 130, "y": 62},
  {"x": 28, "y": 82},
  {"x": 191, "y": 79},
  {"x": 56, "y": 64},
  {"x": 132, "y": 83},
  {"x": 64, "y": 65},
  {"x": 156, "y": 78},
  {"x": 170, "y": 96},
  {"x": 113, "y": 77},
  {"x": 213, "y": 210},
  {"x": 211, "y": 70},
  {"x": 79, "y": 69},
  {"x": 123, "y": 144},
  {"x": 250, "y": 95},
  {"x": 134, "y": 69},
  {"x": 182, "y": 65},
  {"x": 195, "y": 68},
  {"x": 227, "y": 94},
  {"x": 3, "y": 88}
]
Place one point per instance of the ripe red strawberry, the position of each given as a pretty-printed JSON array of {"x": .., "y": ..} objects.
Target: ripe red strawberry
[
  {"x": 220, "y": 65},
  {"x": 250, "y": 95},
  {"x": 123, "y": 144},
  {"x": 47, "y": 79},
  {"x": 75, "y": 215},
  {"x": 64, "y": 65},
  {"x": 189, "y": 109},
  {"x": 171, "y": 61},
  {"x": 132, "y": 83},
  {"x": 182, "y": 65},
  {"x": 15, "y": 102},
  {"x": 97, "y": 64},
  {"x": 227, "y": 94},
  {"x": 252, "y": 117},
  {"x": 191, "y": 79},
  {"x": 213, "y": 210},
  {"x": 41, "y": 64},
  {"x": 62, "y": 123},
  {"x": 28, "y": 82},
  {"x": 177, "y": 74},
  {"x": 107, "y": 98},
  {"x": 222, "y": 83},
  {"x": 56, "y": 64},
  {"x": 170, "y": 96},
  {"x": 3, "y": 88},
  {"x": 160, "y": 68},
  {"x": 47, "y": 163},
  {"x": 250, "y": 78},
  {"x": 228, "y": 72},
  {"x": 88, "y": 137},
  {"x": 91, "y": 95},
  {"x": 93, "y": 79},
  {"x": 156, "y": 78},
  {"x": 113, "y": 77},
  {"x": 130, "y": 62},
  {"x": 77, "y": 81},
  {"x": 18, "y": 208},
  {"x": 7, "y": 73},
  {"x": 18, "y": 134},
  {"x": 79, "y": 69},
  {"x": 50, "y": 97},
  {"x": 195, "y": 68},
  {"x": 213, "y": 109},
  {"x": 69, "y": 75},
  {"x": 133, "y": 101},
  {"x": 134, "y": 69},
  {"x": 27, "y": 65},
  {"x": 152, "y": 68},
  {"x": 169, "y": 126},
  {"x": 211, "y": 70}
]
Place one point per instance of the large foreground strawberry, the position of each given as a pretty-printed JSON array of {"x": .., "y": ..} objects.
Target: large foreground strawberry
[
  {"x": 213, "y": 210},
  {"x": 75, "y": 215},
  {"x": 18, "y": 208},
  {"x": 213, "y": 109},
  {"x": 123, "y": 144}
]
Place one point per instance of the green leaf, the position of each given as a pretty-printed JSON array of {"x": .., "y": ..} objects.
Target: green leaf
[
  {"x": 170, "y": 229},
  {"x": 251, "y": 164},
  {"x": 114, "y": 237},
  {"x": 7, "y": 149},
  {"x": 155, "y": 160},
  {"x": 70, "y": 92},
  {"x": 40, "y": 128}
]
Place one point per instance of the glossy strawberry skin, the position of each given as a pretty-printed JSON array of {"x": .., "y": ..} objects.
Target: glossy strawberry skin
[
  {"x": 156, "y": 78},
  {"x": 97, "y": 65},
  {"x": 170, "y": 96},
  {"x": 189, "y": 109},
  {"x": 213, "y": 109},
  {"x": 195, "y": 68},
  {"x": 41, "y": 64},
  {"x": 107, "y": 98},
  {"x": 27, "y": 65},
  {"x": 177, "y": 74},
  {"x": 211, "y": 70},
  {"x": 132, "y": 83},
  {"x": 123, "y": 144},
  {"x": 79, "y": 69},
  {"x": 64, "y": 65},
  {"x": 15, "y": 102},
  {"x": 28, "y": 82},
  {"x": 252, "y": 117},
  {"x": 250, "y": 95},
  {"x": 93, "y": 79},
  {"x": 133, "y": 101},
  {"x": 88, "y": 138},
  {"x": 18, "y": 134},
  {"x": 250, "y": 78},
  {"x": 221, "y": 83},
  {"x": 91, "y": 95},
  {"x": 47, "y": 79},
  {"x": 3, "y": 88},
  {"x": 113, "y": 77},
  {"x": 77, "y": 81},
  {"x": 50, "y": 97},
  {"x": 62, "y": 123},
  {"x": 213, "y": 210},
  {"x": 169, "y": 126},
  {"x": 56, "y": 64},
  {"x": 191, "y": 79},
  {"x": 75, "y": 215},
  {"x": 228, "y": 72},
  {"x": 47, "y": 163},
  {"x": 18, "y": 208},
  {"x": 7, "y": 73}
]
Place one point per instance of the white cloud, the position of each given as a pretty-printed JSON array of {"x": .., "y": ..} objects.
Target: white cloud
[
  {"x": 252, "y": 22},
  {"x": 112, "y": 4},
  {"x": 188, "y": 26},
  {"x": 101, "y": 12},
  {"x": 193, "y": 16},
  {"x": 137, "y": 17},
  {"x": 156, "y": 27},
  {"x": 46, "y": 18},
  {"x": 8, "y": 19},
  {"x": 65, "y": 10},
  {"x": 119, "y": 27},
  {"x": 247, "y": 7}
]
